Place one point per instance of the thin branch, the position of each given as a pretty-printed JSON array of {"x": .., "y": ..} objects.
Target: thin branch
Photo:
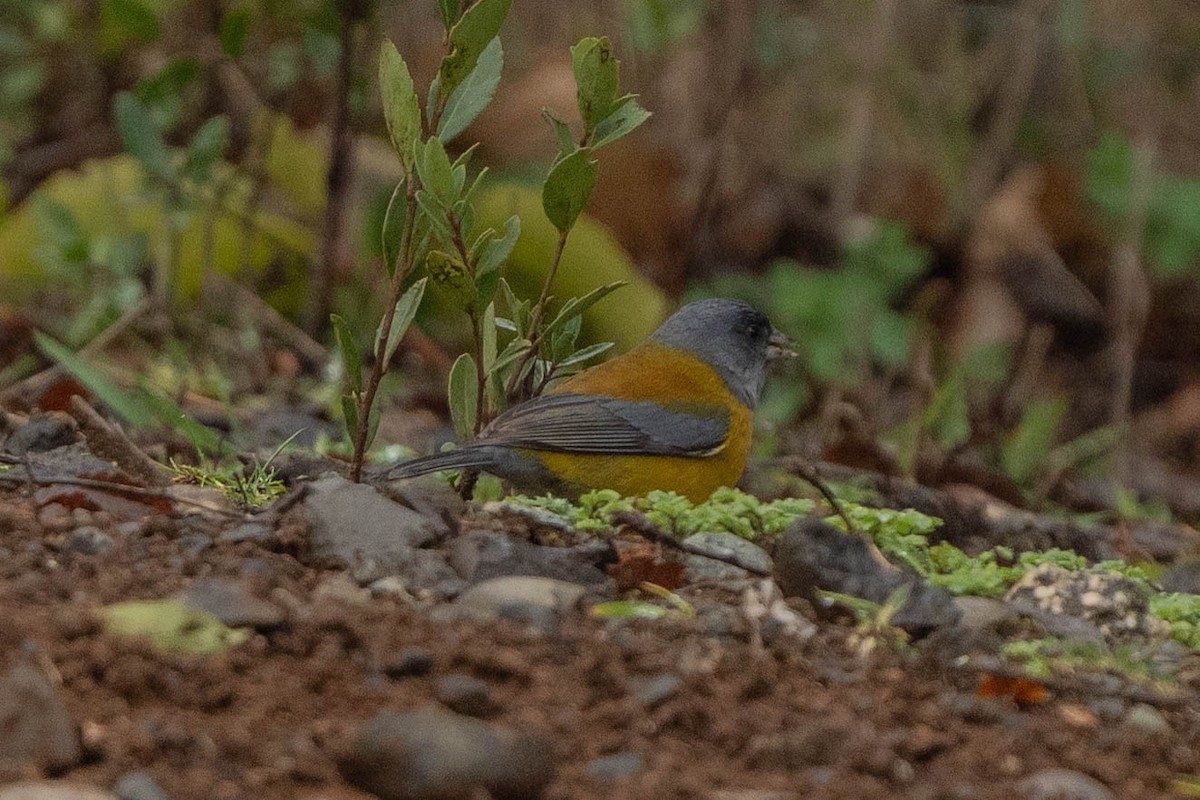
[
  {"x": 113, "y": 488},
  {"x": 648, "y": 529},
  {"x": 379, "y": 367},
  {"x": 1130, "y": 299},
  {"x": 535, "y": 338},
  {"x": 337, "y": 184}
]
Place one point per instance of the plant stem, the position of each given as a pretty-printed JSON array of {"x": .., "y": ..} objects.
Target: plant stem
[
  {"x": 535, "y": 339},
  {"x": 379, "y": 367}
]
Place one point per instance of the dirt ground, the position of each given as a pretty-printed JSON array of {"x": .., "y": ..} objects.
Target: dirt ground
[{"x": 268, "y": 718}]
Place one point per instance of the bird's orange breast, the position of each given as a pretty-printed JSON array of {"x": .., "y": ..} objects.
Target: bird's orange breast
[{"x": 680, "y": 382}]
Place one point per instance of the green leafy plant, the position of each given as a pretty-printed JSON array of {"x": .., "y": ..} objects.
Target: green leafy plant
[
  {"x": 430, "y": 222},
  {"x": 727, "y": 510}
]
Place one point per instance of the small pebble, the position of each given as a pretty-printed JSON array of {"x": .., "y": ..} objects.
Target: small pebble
[
  {"x": 656, "y": 690},
  {"x": 1062, "y": 784},
  {"x": 411, "y": 662},
  {"x": 139, "y": 786},
  {"x": 1147, "y": 719},
  {"x": 91, "y": 541},
  {"x": 616, "y": 767},
  {"x": 465, "y": 694}
]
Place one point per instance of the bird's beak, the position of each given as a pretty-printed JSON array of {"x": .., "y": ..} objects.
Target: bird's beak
[{"x": 780, "y": 346}]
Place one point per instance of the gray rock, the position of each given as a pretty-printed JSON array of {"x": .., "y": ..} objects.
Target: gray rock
[
  {"x": 465, "y": 694},
  {"x": 52, "y": 790},
  {"x": 655, "y": 690},
  {"x": 1183, "y": 576},
  {"x": 408, "y": 662},
  {"x": 535, "y": 599},
  {"x": 91, "y": 541},
  {"x": 615, "y": 767},
  {"x": 1062, "y": 784},
  {"x": 1109, "y": 601},
  {"x": 982, "y": 613},
  {"x": 354, "y": 525},
  {"x": 428, "y": 570},
  {"x": 139, "y": 786},
  {"x": 433, "y": 754},
  {"x": 41, "y": 433},
  {"x": 812, "y": 555},
  {"x": 233, "y": 604},
  {"x": 194, "y": 543},
  {"x": 36, "y": 730},
  {"x": 251, "y": 531},
  {"x": 1147, "y": 719},
  {"x": 483, "y": 555},
  {"x": 727, "y": 545}
]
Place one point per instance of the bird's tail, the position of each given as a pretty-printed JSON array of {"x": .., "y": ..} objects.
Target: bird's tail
[{"x": 458, "y": 458}]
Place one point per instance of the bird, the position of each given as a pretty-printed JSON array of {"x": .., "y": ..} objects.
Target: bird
[{"x": 674, "y": 413}]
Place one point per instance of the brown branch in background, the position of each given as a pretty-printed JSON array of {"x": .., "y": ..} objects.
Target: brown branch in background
[
  {"x": 323, "y": 269},
  {"x": 264, "y": 317},
  {"x": 857, "y": 138},
  {"x": 110, "y": 442},
  {"x": 997, "y": 145},
  {"x": 35, "y": 385},
  {"x": 1129, "y": 300},
  {"x": 112, "y": 487},
  {"x": 649, "y": 530},
  {"x": 535, "y": 339}
]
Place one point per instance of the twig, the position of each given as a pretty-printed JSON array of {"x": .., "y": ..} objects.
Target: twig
[
  {"x": 804, "y": 470},
  {"x": 266, "y": 317},
  {"x": 112, "y": 488},
  {"x": 403, "y": 264},
  {"x": 1130, "y": 300},
  {"x": 648, "y": 529},
  {"x": 535, "y": 339},
  {"x": 987, "y": 164},
  {"x": 862, "y": 106},
  {"x": 337, "y": 183},
  {"x": 35, "y": 384},
  {"x": 111, "y": 443}
]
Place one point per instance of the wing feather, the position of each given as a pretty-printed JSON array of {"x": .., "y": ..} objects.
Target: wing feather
[{"x": 572, "y": 423}]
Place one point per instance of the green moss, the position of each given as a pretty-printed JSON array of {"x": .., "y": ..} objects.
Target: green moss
[{"x": 728, "y": 510}]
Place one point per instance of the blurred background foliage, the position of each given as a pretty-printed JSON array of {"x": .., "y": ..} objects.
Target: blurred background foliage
[{"x": 980, "y": 219}]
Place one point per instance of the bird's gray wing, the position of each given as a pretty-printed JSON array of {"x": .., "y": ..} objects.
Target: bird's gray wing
[{"x": 572, "y": 423}]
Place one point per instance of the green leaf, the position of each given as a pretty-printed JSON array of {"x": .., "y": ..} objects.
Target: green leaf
[
  {"x": 434, "y": 215},
  {"x": 141, "y": 137},
  {"x": 511, "y": 352},
  {"x": 597, "y": 77},
  {"x": 406, "y": 311},
  {"x": 1028, "y": 446},
  {"x": 462, "y": 396},
  {"x": 351, "y": 359},
  {"x": 235, "y": 24},
  {"x": 562, "y": 132},
  {"x": 59, "y": 225},
  {"x": 391, "y": 233},
  {"x": 129, "y": 408},
  {"x": 122, "y": 20},
  {"x": 622, "y": 121},
  {"x": 469, "y": 37},
  {"x": 489, "y": 348},
  {"x": 199, "y": 436},
  {"x": 577, "y": 305},
  {"x": 400, "y": 108},
  {"x": 567, "y": 189},
  {"x": 495, "y": 253},
  {"x": 170, "y": 625},
  {"x": 473, "y": 95},
  {"x": 448, "y": 9},
  {"x": 350, "y": 414},
  {"x": 206, "y": 148},
  {"x": 585, "y": 354},
  {"x": 437, "y": 174},
  {"x": 450, "y": 273}
]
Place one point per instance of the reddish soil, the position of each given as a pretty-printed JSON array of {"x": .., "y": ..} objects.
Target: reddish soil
[{"x": 267, "y": 718}]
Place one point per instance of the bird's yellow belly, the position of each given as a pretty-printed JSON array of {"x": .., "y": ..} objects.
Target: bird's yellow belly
[{"x": 632, "y": 476}]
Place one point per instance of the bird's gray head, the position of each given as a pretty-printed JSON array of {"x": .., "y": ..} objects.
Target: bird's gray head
[{"x": 734, "y": 338}]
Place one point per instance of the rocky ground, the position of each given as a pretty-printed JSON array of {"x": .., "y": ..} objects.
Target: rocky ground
[{"x": 407, "y": 647}]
